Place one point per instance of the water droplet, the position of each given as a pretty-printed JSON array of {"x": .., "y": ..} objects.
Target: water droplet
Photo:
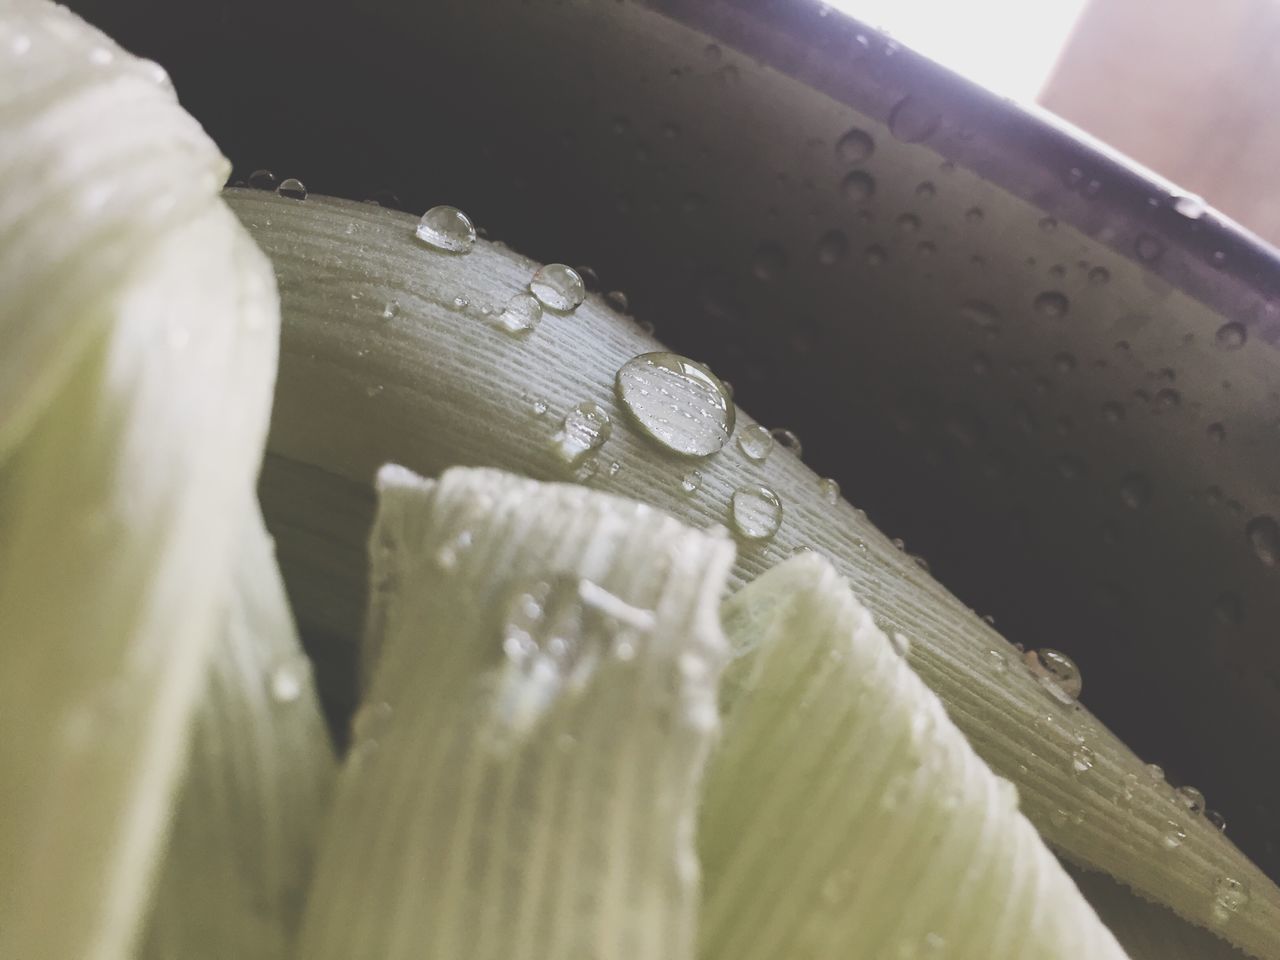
[
  {"x": 288, "y": 679},
  {"x": 855, "y": 146},
  {"x": 913, "y": 119},
  {"x": 769, "y": 262},
  {"x": 539, "y": 406},
  {"x": 262, "y": 180},
  {"x": 1216, "y": 432},
  {"x": 755, "y": 441},
  {"x": 926, "y": 190},
  {"x": 1229, "y": 897},
  {"x": 1148, "y": 248},
  {"x": 908, "y": 223},
  {"x": 676, "y": 401},
  {"x": 756, "y": 512},
  {"x": 558, "y": 287},
  {"x": 858, "y": 186},
  {"x": 617, "y": 300},
  {"x": 1113, "y": 411},
  {"x": 1264, "y": 536},
  {"x": 1052, "y": 303},
  {"x": 1173, "y": 837},
  {"x": 1218, "y": 820},
  {"x": 787, "y": 440},
  {"x": 521, "y": 315},
  {"x": 373, "y": 390},
  {"x": 999, "y": 662},
  {"x": 1135, "y": 491},
  {"x": 584, "y": 430},
  {"x": 461, "y": 303},
  {"x": 1190, "y": 206},
  {"x": 391, "y": 310},
  {"x": 974, "y": 215},
  {"x": 292, "y": 188},
  {"x": 691, "y": 482},
  {"x": 875, "y": 255},
  {"x": 1057, "y": 673},
  {"x": 901, "y": 644},
  {"x": 1191, "y": 798},
  {"x": 448, "y": 229},
  {"x": 829, "y": 490},
  {"x": 1081, "y": 760},
  {"x": 1099, "y": 276},
  {"x": 1231, "y": 336},
  {"x": 832, "y": 247},
  {"x": 1048, "y": 224},
  {"x": 1155, "y": 772}
]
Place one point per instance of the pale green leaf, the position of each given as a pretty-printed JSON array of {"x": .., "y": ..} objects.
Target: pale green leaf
[
  {"x": 236, "y": 870},
  {"x": 524, "y": 778}
]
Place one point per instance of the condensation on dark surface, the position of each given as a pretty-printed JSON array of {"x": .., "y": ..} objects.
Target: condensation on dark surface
[{"x": 1014, "y": 381}]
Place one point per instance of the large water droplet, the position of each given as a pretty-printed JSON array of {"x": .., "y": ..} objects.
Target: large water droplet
[
  {"x": 1057, "y": 673},
  {"x": 262, "y": 180},
  {"x": 558, "y": 287},
  {"x": 522, "y": 314},
  {"x": 292, "y": 188},
  {"x": 1135, "y": 491},
  {"x": 1052, "y": 303},
  {"x": 858, "y": 186},
  {"x": 447, "y": 228},
  {"x": 1231, "y": 336},
  {"x": 855, "y": 146},
  {"x": 1264, "y": 536},
  {"x": 584, "y": 430},
  {"x": 676, "y": 401},
  {"x": 913, "y": 119},
  {"x": 756, "y": 512},
  {"x": 755, "y": 441}
]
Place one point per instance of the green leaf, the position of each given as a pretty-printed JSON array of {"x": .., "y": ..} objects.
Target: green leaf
[
  {"x": 846, "y": 816},
  {"x": 238, "y": 863},
  {"x": 430, "y": 384},
  {"x": 524, "y": 777},
  {"x": 139, "y": 327}
]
